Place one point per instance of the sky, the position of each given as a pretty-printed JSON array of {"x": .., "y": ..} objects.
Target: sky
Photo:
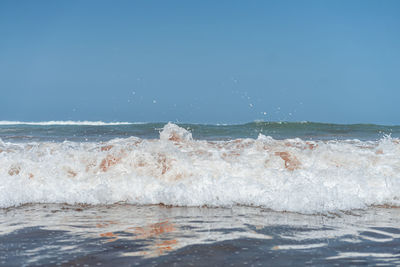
[{"x": 200, "y": 61}]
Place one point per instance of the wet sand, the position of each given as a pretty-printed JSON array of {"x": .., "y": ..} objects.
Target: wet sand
[{"x": 56, "y": 234}]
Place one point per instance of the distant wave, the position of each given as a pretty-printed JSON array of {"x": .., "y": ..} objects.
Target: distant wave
[
  {"x": 315, "y": 123},
  {"x": 89, "y": 123}
]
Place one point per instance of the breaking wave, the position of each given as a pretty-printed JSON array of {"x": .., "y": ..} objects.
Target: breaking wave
[{"x": 283, "y": 175}]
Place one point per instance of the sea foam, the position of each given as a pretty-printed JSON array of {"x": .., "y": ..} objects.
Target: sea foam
[{"x": 283, "y": 175}]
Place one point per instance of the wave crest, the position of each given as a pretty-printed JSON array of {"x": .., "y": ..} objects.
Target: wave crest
[{"x": 175, "y": 133}]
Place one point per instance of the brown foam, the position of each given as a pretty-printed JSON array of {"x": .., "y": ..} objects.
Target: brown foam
[{"x": 291, "y": 162}]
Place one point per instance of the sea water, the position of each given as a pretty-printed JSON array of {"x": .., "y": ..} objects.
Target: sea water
[{"x": 154, "y": 193}]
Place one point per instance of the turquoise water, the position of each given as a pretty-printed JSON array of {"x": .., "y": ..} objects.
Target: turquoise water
[{"x": 277, "y": 130}]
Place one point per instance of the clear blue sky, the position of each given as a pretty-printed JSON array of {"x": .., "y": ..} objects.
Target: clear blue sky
[{"x": 200, "y": 61}]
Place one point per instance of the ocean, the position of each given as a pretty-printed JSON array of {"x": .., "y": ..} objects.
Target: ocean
[{"x": 262, "y": 193}]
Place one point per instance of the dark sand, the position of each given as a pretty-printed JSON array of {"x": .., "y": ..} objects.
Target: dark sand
[{"x": 126, "y": 235}]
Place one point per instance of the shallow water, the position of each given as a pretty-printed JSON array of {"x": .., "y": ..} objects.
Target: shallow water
[{"x": 59, "y": 234}]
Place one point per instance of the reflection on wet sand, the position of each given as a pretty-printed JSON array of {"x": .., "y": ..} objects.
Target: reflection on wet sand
[{"x": 153, "y": 232}]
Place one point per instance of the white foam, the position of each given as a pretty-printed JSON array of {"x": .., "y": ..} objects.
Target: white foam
[
  {"x": 175, "y": 133},
  {"x": 284, "y": 175},
  {"x": 44, "y": 123}
]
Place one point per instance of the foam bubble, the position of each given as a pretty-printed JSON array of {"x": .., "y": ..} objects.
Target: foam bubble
[{"x": 284, "y": 175}]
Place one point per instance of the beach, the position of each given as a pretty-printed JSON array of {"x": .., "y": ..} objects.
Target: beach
[
  {"x": 199, "y": 133},
  {"x": 280, "y": 194}
]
